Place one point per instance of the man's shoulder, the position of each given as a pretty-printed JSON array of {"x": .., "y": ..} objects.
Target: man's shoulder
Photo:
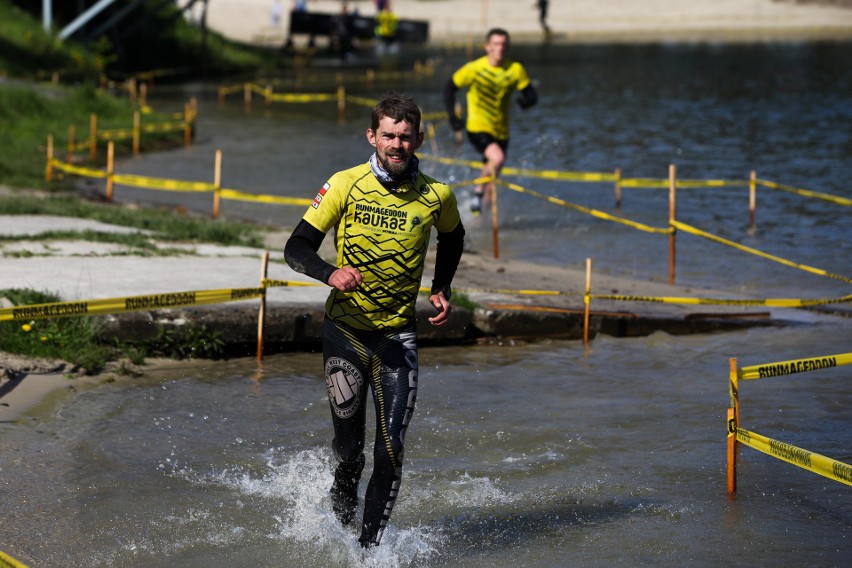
[{"x": 352, "y": 173}]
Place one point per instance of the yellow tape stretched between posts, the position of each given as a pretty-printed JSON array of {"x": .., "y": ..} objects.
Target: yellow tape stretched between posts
[
  {"x": 586, "y": 210},
  {"x": 7, "y": 561},
  {"x": 793, "y": 366},
  {"x": 805, "y": 192},
  {"x": 301, "y": 97},
  {"x": 128, "y": 304},
  {"x": 768, "y": 302},
  {"x": 363, "y": 101},
  {"x": 560, "y": 175},
  {"x": 272, "y": 283},
  {"x": 115, "y": 134},
  {"x": 827, "y": 467},
  {"x": 236, "y": 195},
  {"x": 162, "y": 183},
  {"x": 77, "y": 170},
  {"x": 163, "y": 126},
  {"x": 698, "y": 232}
]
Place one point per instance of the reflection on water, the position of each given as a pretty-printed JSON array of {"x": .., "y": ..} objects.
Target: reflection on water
[{"x": 532, "y": 451}]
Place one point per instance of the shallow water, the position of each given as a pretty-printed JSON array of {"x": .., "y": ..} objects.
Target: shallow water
[
  {"x": 539, "y": 452},
  {"x": 536, "y": 452}
]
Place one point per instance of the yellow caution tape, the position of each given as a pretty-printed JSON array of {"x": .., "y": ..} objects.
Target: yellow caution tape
[
  {"x": 7, "y": 561},
  {"x": 163, "y": 126},
  {"x": 586, "y": 210},
  {"x": 805, "y": 192},
  {"x": 361, "y": 101},
  {"x": 475, "y": 181},
  {"x": 643, "y": 182},
  {"x": 769, "y": 302},
  {"x": 827, "y": 467},
  {"x": 271, "y": 283},
  {"x": 128, "y": 304},
  {"x": 77, "y": 170},
  {"x": 301, "y": 97},
  {"x": 237, "y": 195},
  {"x": 781, "y": 368},
  {"x": 689, "y": 229},
  {"x": 115, "y": 134},
  {"x": 432, "y": 116},
  {"x": 162, "y": 184},
  {"x": 560, "y": 175},
  {"x": 450, "y": 161}
]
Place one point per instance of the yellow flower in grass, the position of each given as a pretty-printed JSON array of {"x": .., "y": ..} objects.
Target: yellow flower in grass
[
  {"x": 43, "y": 338},
  {"x": 27, "y": 327}
]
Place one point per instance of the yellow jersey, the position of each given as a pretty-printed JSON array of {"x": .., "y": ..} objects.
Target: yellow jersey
[
  {"x": 489, "y": 94},
  {"x": 385, "y": 235}
]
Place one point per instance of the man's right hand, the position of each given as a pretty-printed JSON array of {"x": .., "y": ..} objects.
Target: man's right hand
[{"x": 345, "y": 279}]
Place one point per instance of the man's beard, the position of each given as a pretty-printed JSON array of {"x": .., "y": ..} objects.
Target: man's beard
[{"x": 395, "y": 169}]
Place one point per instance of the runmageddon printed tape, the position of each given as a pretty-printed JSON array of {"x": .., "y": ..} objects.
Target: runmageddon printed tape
[
  {"x": 827, "y": 467},
  {"x": 128, "y": 304},
  {"x": 7, "y": 561},
  {"x": 768, "y": 302},
  {"x": 782, "y": 368}
]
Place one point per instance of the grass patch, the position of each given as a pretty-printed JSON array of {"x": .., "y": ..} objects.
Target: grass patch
[
  {"x": 167, "y": 224},
  {"x": 70, "y": 339}
]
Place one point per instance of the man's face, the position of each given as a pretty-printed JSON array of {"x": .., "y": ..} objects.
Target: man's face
[
  {"x": 395, "y": 144},
  {"x": 496, "y": 48}
]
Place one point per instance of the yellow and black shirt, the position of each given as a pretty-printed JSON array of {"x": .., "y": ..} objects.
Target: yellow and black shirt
[
  {"x": 384, "y": 233},
  {"x": 489, "y": 94}
]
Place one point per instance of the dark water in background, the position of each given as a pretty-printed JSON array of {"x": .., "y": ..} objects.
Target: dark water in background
[{"x": 533, "y": 453}]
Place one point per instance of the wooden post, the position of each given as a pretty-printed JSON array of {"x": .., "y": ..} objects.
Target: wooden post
[
  {"x": 341, "y": 103},
  {"x": 71, "y": 134},
  {"x": 587, "y": 299},
  {"x": 137, "y": 134},
  {"x": 143, "y": 93},
  {"x": 217, "y": 182},
  {"x": 110, "y": 169},
  {"x": 48, "y": 170},
  {"x": 187, "y": 124},
  {"x": 752, "y": 199},
  {"x": 371, "y": 76},
  {"x": 93, "y": 137},
  {"x": 267, "y": 95},
  {"x": 131, "y": 89},
  {"x": 672, "y": 210},
  {"x": 732, "y": 452},
  {"x": 247, "y": 96},
  {"x": 618, "y": 188},
  {"x": 495, "y": 221},
  {"x": 261, "y": 316},
  {"x": 733, "y": 424}
]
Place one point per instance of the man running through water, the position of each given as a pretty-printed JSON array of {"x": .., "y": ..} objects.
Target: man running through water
[
  {"x": 490, "y": 80},
  {"x": 383, "y": 212}
]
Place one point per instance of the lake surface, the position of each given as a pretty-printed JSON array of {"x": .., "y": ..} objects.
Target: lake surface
[{"x": 536, "y": 453}]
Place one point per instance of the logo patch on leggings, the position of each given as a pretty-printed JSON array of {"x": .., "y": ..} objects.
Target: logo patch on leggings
[{"x": 344, "y": 383}]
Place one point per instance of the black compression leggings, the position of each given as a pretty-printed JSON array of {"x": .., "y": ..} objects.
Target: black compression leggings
[{"x": 387, "y": 360}]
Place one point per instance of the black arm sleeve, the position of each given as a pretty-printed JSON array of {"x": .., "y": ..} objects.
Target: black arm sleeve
[
  {"x": 528, "y": 97},
  {"x": 447, "y": 257},
  {"x": 450, "y": 104},
  {"x": 300, "y": 252}
]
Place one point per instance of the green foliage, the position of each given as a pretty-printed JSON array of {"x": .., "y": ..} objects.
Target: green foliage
[
  {"x": 29, "y": 113},
  {"x": 72, "y": 339},
  {"x": 190, "y": 341}
]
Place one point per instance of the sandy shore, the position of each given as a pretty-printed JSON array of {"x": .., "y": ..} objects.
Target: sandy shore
[{"x": 573, "y": 21}]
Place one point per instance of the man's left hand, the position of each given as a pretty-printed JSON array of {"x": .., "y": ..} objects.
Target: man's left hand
[{"x": 444, "y": 308}]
